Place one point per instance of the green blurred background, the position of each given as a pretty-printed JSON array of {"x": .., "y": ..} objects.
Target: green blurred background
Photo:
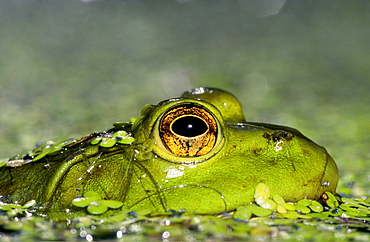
[{"x": 69, "y": 68}]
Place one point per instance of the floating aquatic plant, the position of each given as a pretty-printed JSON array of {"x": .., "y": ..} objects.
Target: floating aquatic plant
[
  {"x": 14, "y": 209},
  {"x": 95, "y": 204},
  {"x": 266, "y": 205},
  {"x": 121, "y": 137},
  {"x": 269, "y": 217}
]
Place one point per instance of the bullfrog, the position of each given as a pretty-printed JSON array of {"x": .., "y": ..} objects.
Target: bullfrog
[{"x": 194, "y": 152}]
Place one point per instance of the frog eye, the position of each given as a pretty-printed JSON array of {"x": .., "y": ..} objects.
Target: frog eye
[{"x": 188, "y": 130}]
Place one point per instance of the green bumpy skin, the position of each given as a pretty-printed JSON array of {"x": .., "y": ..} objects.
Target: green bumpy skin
[{"x": 195, "y": 152}]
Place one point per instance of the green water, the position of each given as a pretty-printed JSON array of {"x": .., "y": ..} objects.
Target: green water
[{"x": 69, "y": 68}]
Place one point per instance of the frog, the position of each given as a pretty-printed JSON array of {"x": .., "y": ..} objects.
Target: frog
[{"x": 193, "y": 153}]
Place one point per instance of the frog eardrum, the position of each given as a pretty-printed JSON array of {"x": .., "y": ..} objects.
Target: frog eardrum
[{"x": 188, "y": 130}]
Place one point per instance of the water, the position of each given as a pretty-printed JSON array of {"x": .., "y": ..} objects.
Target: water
[{"x": 69, "y": 68}]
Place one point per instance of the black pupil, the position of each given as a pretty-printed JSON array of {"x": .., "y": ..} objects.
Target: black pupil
[{"x": 189, "y": 126}]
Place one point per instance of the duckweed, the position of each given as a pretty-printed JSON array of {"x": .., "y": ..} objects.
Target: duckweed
[
  {"x": 348, "y": 219},
  {"x": 107, "y": 141},
  {"x": 310, "y": 209},
  {"x": 54, "y": 147},
  {"x": 304, "y": 209},
  {"x": 243, "y": 213},
  {"x": 304, "y": 202},
  {"x": 40, "y": 150},
  {"x": 259, "y": 211},
  {"x": 316, "y": 207},
  {"x": 288, "y": 206},
  {"x": 281, "y": 209},
  {"x": 301, "y": 208},
  {"x": 95, "y": 204},
  {"x": 13, "y": 209},
  {"x": 262, "y": 197},
  {"x": 48, "y": 148},
  {"x": 278, "y": 199}
]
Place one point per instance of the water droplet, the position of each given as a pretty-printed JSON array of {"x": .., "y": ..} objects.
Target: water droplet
[
  {"x": 119, "y": 234},
  {"x": 89, "y": 237},
  {"x": 166, "y": 235},
  {"x": 278, "y": 146},
  {"x": 325, "y": 183},
  {"x": 83, "y": 233}
]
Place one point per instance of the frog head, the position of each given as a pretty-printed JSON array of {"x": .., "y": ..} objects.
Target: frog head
[{"x": 201, "y": 155}]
